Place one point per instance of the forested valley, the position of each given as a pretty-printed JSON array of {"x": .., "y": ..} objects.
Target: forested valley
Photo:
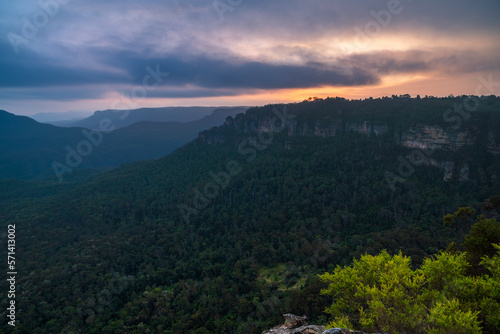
[{"x": 233, "y": 229}]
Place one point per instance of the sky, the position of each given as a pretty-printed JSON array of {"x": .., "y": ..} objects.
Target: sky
[{"x": 79, "y": 56}]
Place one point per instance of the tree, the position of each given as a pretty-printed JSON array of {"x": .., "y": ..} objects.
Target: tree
[
  {"x": 383, "y": 293},
  {"x": 479, "y": 242},
  {"x": 461, "y": 220},
  {"x": 483, "y": 234}
]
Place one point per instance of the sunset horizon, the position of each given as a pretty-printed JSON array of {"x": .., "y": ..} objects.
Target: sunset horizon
[{"x": 63, "y": 56}]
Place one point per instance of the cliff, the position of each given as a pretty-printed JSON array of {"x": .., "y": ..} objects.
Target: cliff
[{"x": 418, "y": 130}]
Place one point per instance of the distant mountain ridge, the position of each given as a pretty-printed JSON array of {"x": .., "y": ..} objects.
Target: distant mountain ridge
[
  {"x": 59, "y": 117},
  {"x": 124, "y": 118},
  {"x": 30, "y": 149},
  {"x": 9, "y": 122}
]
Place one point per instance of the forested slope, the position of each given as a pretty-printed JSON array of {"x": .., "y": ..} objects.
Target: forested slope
[{"x": 230, "y": 231}]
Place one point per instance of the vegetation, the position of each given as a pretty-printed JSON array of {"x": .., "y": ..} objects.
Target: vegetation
[
  {"x": 113, "y": 253},
  {"x": 383, "y": 292}
]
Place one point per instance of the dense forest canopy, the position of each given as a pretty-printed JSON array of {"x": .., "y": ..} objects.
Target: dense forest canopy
[{"x": 231, "y": 230}]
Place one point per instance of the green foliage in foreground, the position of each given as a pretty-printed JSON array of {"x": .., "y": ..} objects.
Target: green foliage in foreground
[{"x": 383, "y": 293}]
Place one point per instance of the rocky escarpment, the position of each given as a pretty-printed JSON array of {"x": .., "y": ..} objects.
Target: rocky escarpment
[
  {"x": 435, "y": 137},
  {"x": 417, "y": 136},
  {"x": 324, "y": 127},
  {"x": 426, "y": 139},
  {"x": 295, "y": 324},
  {"x": 420, "y": 132}
]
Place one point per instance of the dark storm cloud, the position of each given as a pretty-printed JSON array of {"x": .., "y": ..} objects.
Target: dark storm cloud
[
  {"x": 22, "y": 71},
  {"x": 28, "y": 69},
  {"x": 205, "y": 72}
]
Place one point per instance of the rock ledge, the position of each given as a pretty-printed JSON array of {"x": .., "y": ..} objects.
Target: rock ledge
[{"x": 295, "y": 324}]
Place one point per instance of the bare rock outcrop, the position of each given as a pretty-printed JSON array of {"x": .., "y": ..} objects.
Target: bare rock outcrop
[{"x": 295, "y": 324}]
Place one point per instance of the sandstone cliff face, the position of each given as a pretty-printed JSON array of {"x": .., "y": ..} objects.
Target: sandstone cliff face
[
  {"x": 367, "y": 129},
  {"x": 435, "y": 137},
  {"x": 430, "y": 138},
  {"x": 419, "y": 137},
  {"x": 327, "y": 127}
]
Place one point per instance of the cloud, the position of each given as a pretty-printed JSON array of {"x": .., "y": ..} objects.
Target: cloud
[
  {"x": 58, "y": 93},
  {"x": 30, "y": 69},
  {"x": 440, "y": 60},
  {"x": 208, "y": 72},
  {"x": 129, "y": 68},
  {"x": 92, "y": 48}
]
